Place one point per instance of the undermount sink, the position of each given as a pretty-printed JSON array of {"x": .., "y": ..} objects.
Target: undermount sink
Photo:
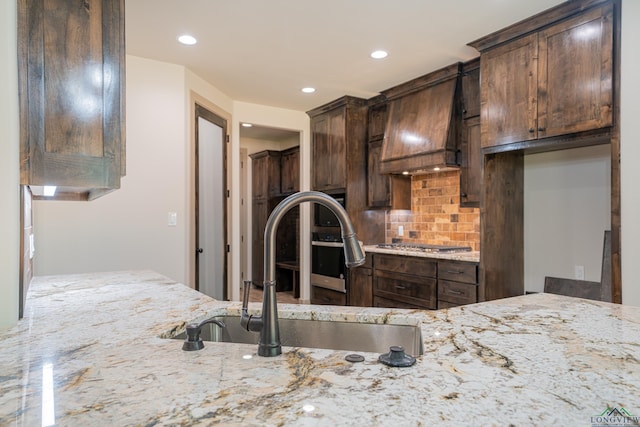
[{"x": 365, "y": 337}]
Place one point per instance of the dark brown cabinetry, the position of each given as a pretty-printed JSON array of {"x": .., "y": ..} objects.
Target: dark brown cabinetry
[
  {"x": 261, "y": 210},
  {"x": 329, "y": 150},
  {"x": 422, "y": 123},
  {"x": 470, "y": 149},
  {"x": 265, "y": 174},
  {"x": 547, "y": 83},
  {"x": 339, "y": 164},
  {"x": 71, "y": 59},
  {"x": 337, "y": 134},
  {"x": 360, "y": 289},
  {"x": 383, "y": 191},
  {"x": 290, "y": 170},
  {"x": 457, "y": 283},
  {"x": 553, "y": 82},
  {"x": 401, "y": 281},
  {"x": 266, "y": 194},
  {"x": 324, "y": 296},
  {"x": 470, "y": 163}
]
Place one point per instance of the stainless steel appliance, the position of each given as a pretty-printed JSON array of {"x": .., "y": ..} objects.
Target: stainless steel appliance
[{"x": 327, "y": 262}]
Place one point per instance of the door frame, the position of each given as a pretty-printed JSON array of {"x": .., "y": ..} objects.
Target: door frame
[{"x": 201, "y": 111}]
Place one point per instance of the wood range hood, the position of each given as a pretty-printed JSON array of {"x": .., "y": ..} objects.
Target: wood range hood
[{"x": 423, "y": 124}]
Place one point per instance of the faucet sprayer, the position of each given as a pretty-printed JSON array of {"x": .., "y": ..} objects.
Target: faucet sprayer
[{"x": 267, "y": 324}]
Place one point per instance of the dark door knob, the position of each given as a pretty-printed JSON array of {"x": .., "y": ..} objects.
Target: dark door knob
[
  {"x": 531, "y": 130},
  {"x": 200, "y": 250}
]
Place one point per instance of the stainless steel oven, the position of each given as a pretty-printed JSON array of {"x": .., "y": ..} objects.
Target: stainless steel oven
[{"x": 327, "y": 265}]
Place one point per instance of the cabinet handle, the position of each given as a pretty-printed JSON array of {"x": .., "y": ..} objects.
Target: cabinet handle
[
  {"x": 454, "y": 272},
  {"x": 541, "y": 129},
  {"x": 400, "y": 287},
  {"x": 453, "y": 291},
  {"x": 531, "y": 130}
]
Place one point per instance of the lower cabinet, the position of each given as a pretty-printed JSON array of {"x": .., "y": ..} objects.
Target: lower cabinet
[
  {"x": 399, "y": 281},
  {"x": 360, "y": 286},
  {"x": 324, "y": 296},
  {"x": 457, "y": 283},
  {"x": 404, "y": 282}
]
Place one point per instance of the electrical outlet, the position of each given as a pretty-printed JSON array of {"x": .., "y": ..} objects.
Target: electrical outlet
[{"x": 578, "y": 272}]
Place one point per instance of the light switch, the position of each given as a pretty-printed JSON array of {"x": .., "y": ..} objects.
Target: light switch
[
  {"x": 172, "y": 219},
  {"x": 400, "y": 231}
]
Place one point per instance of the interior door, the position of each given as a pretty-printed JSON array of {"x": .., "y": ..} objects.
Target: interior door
[{"x": 211, "y": 205}]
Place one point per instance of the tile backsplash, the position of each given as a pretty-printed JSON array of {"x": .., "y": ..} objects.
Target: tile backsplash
[{"x": 436, "y": 216}]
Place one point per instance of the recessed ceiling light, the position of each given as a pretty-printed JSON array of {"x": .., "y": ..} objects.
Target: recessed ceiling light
[
  {"x": 187, "y": 39},
  {"x": 247, "y": 125},
  {"x": 379, "y": 54},
  {"x": 308, "y": 89}
]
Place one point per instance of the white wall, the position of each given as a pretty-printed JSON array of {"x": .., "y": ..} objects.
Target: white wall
[
  {"x": 9, "y": 168},
  {"x": 630, "y": 152},
  {"x": 566, "y": 211},
  {"x": 127, "y": 229}
]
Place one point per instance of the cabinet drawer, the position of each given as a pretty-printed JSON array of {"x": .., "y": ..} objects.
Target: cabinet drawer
[
  {"x": 458, "y": 271},
  {"x": 322, "y": 296},
  {"x": 456, "y": 292},
  {"x": 405, "y": 264},
  {"x": 420, "y": 291}
]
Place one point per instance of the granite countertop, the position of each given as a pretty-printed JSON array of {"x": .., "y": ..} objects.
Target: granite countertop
[
  {"x": 91, "y": 348},
  {"x": 473, "y": 256}
]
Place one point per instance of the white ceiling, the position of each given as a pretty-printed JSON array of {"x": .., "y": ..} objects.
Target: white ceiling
[{"x": 264, "y": 52}]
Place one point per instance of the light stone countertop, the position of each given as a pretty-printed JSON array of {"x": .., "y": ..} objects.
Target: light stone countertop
[
  {"x": 90, "y": 347},
  {"x": 456, "y": 256}
]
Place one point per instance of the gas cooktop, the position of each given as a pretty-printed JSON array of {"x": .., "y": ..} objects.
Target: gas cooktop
[{"x": 417, "y": 247}]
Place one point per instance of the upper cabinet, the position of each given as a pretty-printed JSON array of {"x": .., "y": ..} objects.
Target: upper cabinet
[
  {"x": 71, "y": 82},
  {"x": 554, "y": 81},
  {"x": 470, "y": 150},
  {"x": 289, "y": 170},
  {"x": 422, "y": 123},
  {"x": 265, "y": 174},
  {"x": 383, "y": 190},
  {"x": 336, "y": 127}
]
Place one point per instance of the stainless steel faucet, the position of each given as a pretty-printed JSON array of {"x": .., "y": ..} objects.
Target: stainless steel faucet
[{"x": 267, "y": 324}]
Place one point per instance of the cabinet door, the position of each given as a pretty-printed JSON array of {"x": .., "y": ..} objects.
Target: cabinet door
[
  {"x": 322, "y": 296},
  {"x": 259, "y": 179},
  {"x": 378, "y": 191},
  {"x": 361, "y": 287},
  {"x": 71, "y": 59},
  {"x": 377, "y": 121},
  {"x": 321, "y": 153},
  {"x": 290, "y": 171},
  {"x": 471, "y": 93},
  {"x": 260, "y": 215},
  {"x": 471, "y": 164},
  {"x": 337, "y": 142},
  {"x": 575, "y": 74},
  {"x": 329, "y": 151},
  {"x": 509, "y": 92}
]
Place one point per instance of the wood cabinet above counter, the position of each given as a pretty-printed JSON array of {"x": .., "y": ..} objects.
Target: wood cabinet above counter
[
  {"x": 71, "y": 59},
  {"x": 548, "y": 77}
]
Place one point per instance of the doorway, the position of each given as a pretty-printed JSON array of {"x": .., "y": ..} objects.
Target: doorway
[{"x": 211, "y": 204}]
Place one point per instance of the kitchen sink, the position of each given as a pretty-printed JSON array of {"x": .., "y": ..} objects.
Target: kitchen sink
[{"x": 365, "y": 337}]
